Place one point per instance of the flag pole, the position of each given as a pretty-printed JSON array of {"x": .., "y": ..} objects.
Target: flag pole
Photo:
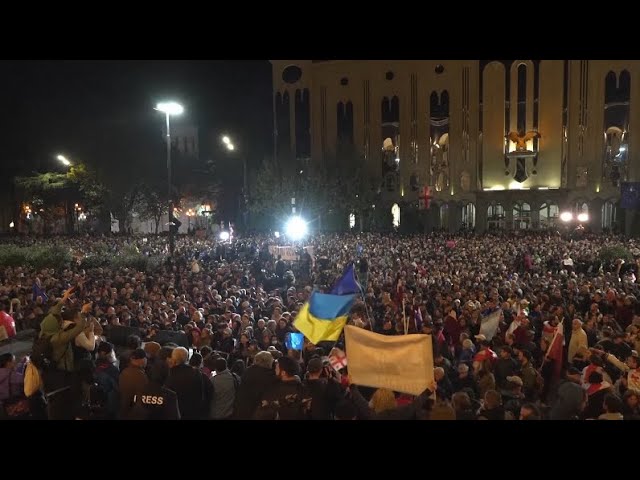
[
  {"x": 553, "y": 340},
  {"x": 404, "y": 319}
]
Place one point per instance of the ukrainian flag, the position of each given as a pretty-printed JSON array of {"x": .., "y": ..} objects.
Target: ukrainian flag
[{"x": 324, "y": 316}]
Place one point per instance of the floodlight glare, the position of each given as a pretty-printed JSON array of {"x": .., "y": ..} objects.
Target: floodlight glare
[
  {"x": 566, "y": 216},
  {"x": 296, "y": 228},
  {"x": 170, "y": 108},
  {"x": 224, "y": 236},
  {"x": 583, "y": 217}
]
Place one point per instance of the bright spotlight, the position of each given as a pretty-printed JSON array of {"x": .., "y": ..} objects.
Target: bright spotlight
[
  {"x": 226, "y": 140},
  {"x": 296, "y": 228},
  {"x": 64, "y": 160},
  {"x": 277, "y": 234},
  {"x": 583, "y": 217},
  {"x": 170, "y": 108},
  {"x": 230, "y": 146},
  {"x": 11, "y": 225},
  {"x": 566, "y": 216},
  {"x": 224, "y": 236}
]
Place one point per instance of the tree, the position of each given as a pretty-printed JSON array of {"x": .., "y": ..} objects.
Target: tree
[
  {"x": 151, "y": 204},
  {"x": 51, "y": 194}
]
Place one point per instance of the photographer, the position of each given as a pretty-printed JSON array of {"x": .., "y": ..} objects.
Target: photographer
[{"x": 322, "y": 392}]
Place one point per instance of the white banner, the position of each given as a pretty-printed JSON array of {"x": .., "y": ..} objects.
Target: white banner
[
  {"x": 288, "y": 253},
  {"x": 402, "y": 363}
]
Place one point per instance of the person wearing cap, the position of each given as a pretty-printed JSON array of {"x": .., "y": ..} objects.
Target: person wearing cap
[
  {"x": 133, "y": 380},
  {"x": 107, "y": 376},
  {"x": 321, "y": 392}
]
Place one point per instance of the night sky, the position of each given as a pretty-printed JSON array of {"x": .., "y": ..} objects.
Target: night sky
[{"x": 94, "y": 110}]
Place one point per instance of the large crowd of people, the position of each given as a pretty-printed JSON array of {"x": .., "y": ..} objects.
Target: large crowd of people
[{"x": 234, "y": 305}]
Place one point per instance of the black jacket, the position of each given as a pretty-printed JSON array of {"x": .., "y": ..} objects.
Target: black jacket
[
  {"x": 324, "y": 395},
  {"x": 503, "y": 369},
  {"x": 283, "y": 401},
  {"x": 155, "y": 403},
  {"x": 194, "y": 391},
  {"x": 254, "y": 384}
]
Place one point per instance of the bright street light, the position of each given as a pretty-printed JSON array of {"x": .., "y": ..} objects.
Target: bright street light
[
  {"x": 226, "y": 140},
  {"x": 566, "y": 216},
  {"x": 170, "y": 108},
  {"x": 64, "y": 160},
  {"x": 230, "y": 146},
  {"x": 583, "y": 217},
  {"x": 296, "y": 228}
]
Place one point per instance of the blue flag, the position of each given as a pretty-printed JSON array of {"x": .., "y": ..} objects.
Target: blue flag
[
  {"x": 294, "y": 341},
  {"x": 347, "y": 284}
]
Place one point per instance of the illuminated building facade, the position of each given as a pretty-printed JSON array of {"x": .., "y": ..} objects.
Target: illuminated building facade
[{"x": 501, "y": 144}]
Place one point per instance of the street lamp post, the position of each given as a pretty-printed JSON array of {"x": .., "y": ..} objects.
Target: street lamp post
[
  {"x": 231, "y": 147},
  {"x": 170, "y": 108}
]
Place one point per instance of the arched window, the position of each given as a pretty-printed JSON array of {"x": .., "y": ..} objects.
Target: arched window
[
  {"x": 549, "y": 213},
  {"x": 469, "y": 216},
  {"x": 609, "y": 213},
  {"x": 495, "y": 217},
  {"x": 521, "y": 216},
  {"x": 444, "y": 216}
]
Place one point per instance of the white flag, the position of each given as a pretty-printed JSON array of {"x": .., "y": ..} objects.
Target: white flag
[{"x": 490, "y": 323}]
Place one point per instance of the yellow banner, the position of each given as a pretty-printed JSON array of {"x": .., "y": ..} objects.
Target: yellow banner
[{"x": 402, "y": 363}]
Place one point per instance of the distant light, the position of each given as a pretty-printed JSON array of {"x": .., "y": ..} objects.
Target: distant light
[
  {"x": 301, "y": 172},
  {"x": 64, "y": 160},
  {"x": 296, "y": 228},
  {"x": 11, "y": 225},
  {"x": 583, "y": 217},
  {"x": 566, "y": 216},
  {"x": 397, "y": 160},
  {"x": 170, "y": 108},
  {"x": 277, "y": 234},
  {"x": 224, "y": 236},
  {"x": 623, "y": 148},
  {"x": 226, "y": 140},
  {"x": 230, "y": 146}
]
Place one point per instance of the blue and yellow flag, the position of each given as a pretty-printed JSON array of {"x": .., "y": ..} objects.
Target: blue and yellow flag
[{"x": 324, "y": 316}]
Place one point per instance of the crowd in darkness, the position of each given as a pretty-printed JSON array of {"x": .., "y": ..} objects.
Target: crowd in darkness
[{"x": 233, "y": 305}]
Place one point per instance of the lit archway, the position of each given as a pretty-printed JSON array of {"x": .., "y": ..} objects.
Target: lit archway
[{"x": 395, "y": 212}]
